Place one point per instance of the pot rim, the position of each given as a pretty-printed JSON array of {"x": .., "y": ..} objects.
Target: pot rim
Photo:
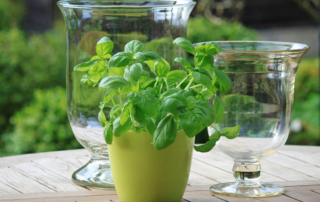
[
  {"x": 82, "y": 4},
  {"x": 294, "y": 47}
]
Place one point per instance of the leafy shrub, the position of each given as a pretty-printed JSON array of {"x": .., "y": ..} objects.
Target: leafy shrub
[
  {"x": 41, "y": 126},
  {"x": 37, "y": 62},
  {"x": 201, "y": 29},
  {"x": 11, "y": 13},
  {"x": 306, "y": 104}
]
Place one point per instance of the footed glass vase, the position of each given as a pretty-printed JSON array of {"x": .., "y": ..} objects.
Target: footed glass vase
[
  {"x": 156, "y": 23},
  {"x": 260, "y": 101}
]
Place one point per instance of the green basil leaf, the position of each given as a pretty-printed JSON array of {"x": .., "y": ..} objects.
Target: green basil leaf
[
  {"x": 150, "y": 64},
  {"x": 210, "y": 48},
  {"x": 208, "y": 145},
  {"x": 218, "y": 109},
  {"x": 208, "y": 110},
  {"x": 138, "y": 129},
  {"x": 201, "y": 76},
  {"x": 152, "y": 91},
  {"x": 147, "y": 103},
  {"x": 139, "y": 118},
  {"x": 151, "y": 126},
  {"x": 125, "y": 90},
  {"x": 108, "y": 134},
  {"x": 107, "y": 98},
  {"x": 133, "y": 72},
  {"x": 161, "y": 68},
  {"x": 165, "y": 133},
  {"x": 97, "y": 57},
  {"x": 119, "y": 129},
  {"x": 189, "y": 92},
  {"x": 147, "y": 55},
  {"x": 184, "y": 63},
  {"x": 85, "y": 66},
  {"x": 101, "y": 105},
  {"x": 147, "y": 83},
  {"x": 224, "y": 82},
  {"x": 102, "y": 118},
  {"x": 113, "y": 82},
  {"x": 185, "y": 44},
  {"x": 231, "y": 132},
  {"x": 133, "y": 46},
  {"x": 200, "y": 49},
  {"x": 216, "y": 135},
  {"x": 191, "y": 102},
  {"x": 169, "y": 92},
  {"x": 176, "y": 76},
  {"x": 217, "y": 47},
  {"x": 204, "y": 62},
  {"x": 125, "y": 114},
  {"x": 197, "y": 118},
  {"x": 104, "y": 46},
  {"x": 207, "y": 94},
  {"x": 115, "y": 112},
  {"x": 120, "y": 59},
  {"x": 170, "y": 103},
  {"x": 191, "y": 122}
]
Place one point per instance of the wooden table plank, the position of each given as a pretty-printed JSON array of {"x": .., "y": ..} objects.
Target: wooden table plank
[
  {"x": 6, "y": 189},
  {"x": 77, "y": 161},
  {"x": 280, "y": 198},
  {"x": 283, "y": 172},
  {"x": 13, "y": 160},
  {"x": 193, "y": 194},
  {"x": 21, "y": 183},
  {"x": 44, "y": 176},
  {"x": 293, "y": 164},
  {"x": 201, "y": 196},
  {"x": 58, "y": 166},
  {"x": 196, "y": 179},
  {"x": 221, "y": 161},
  {"x": 210, "y": 171},
  {"x": 307, "y": 157},
  {"x": 305, "y": 195}
]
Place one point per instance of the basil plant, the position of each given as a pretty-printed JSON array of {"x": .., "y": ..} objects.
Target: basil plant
[{"x": 164, "y": 102}]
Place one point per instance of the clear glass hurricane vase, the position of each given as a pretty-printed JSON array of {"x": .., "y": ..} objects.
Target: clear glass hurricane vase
[
  {"x": 156, "y": 23},
  {"x": 260, "y": 101}
]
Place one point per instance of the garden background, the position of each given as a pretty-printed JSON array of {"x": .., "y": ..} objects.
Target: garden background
[{"x": 33, "y": 108}]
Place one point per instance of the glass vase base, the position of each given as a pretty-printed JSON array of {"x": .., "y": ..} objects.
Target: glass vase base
[
  {"x": 94, "y": 174},
  {"x": 232, "y": 189}
]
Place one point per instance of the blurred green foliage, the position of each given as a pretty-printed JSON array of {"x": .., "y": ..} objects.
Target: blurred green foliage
[
  {"x": 11, "y": 13},
  {"x": 41, "y": 126},
  {"x": 28, "y": 63},
  {"x": 306, "y": 104},
  {"x": 33, "y": 109},
  {"x": 201, "y": 30}
]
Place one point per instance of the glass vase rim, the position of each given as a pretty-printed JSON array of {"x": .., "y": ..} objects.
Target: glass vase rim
[
  {"x": 128, "y": 4},
  {"x": 304, "y": 47}
]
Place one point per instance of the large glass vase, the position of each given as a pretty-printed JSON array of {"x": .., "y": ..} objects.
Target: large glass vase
[
  {"x": 156, "y": 23},
  {"x": 260, "y": 101}
]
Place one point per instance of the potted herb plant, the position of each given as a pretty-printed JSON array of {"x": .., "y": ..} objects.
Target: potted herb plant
[{"x": 155, "y": 115}]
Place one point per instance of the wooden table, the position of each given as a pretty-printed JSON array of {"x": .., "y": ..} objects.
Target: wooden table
[{"x": 45, "y": 177}]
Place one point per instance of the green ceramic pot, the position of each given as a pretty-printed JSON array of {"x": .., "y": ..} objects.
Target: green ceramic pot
[{"x": 143, "y": 174}]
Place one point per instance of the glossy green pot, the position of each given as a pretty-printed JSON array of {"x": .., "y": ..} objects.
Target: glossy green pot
[{"x": 143, "y": 174}]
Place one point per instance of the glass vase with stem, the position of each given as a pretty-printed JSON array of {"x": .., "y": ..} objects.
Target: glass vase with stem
[
  {"x": 260, "y": 101},
  {"x": 156, "y": 23}
]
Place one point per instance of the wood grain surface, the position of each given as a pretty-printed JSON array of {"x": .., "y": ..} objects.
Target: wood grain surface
[{"x": 46, "y": 177}]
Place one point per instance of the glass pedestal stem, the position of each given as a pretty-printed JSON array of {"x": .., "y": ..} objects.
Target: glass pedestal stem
[
  {"x": 247, "y": 183},
  {"x": 247, "y": 174},
  {"x": 94, "y": 174}
]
